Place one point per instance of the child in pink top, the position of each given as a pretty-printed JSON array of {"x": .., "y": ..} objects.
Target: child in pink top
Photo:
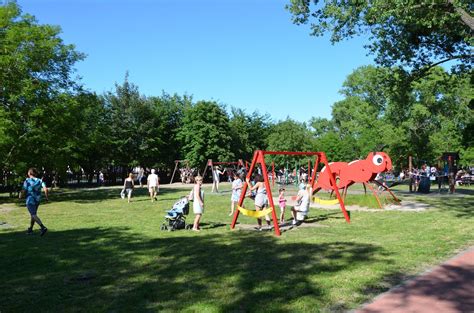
[{"x": 282, "y": 204}]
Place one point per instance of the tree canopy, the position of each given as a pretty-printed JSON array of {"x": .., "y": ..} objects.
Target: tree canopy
[
  {"x": 48, "y": 120},
  {"x": 413, "y": 34}
]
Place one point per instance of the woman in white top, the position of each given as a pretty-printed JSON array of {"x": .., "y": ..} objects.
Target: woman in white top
[
  {"x": 216, "y": 179},
  {"x": 236, "y": 192},
  {"x": 261, "y": 199},
  {"x": 197, "y": 195}
]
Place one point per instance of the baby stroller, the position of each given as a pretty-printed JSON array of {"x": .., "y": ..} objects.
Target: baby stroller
[{"x": 176, "y": 217}]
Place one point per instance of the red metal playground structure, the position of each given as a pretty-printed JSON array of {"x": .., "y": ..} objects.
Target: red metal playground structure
[{"x": 359, "y": 171}]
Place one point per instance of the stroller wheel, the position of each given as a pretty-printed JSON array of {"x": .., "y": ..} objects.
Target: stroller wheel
[
  {"x": 163, "y": 227},
  {"x": 189, "y": 226}
]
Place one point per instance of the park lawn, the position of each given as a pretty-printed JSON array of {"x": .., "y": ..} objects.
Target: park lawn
[{"x": 102, "y": 254}]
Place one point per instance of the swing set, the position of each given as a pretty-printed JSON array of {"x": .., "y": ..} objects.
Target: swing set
[
  {"x": 210, "y": 164},
  {"x": 177, "y": 163},
  {"x": 259, "y": 158}
]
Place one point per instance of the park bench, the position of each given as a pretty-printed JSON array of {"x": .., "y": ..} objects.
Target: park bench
[{"x": 467, "y": 180}]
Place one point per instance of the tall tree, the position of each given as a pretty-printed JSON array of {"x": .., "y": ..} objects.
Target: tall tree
[
  {"x": 430, "y": 117},
  {"x": 169, "y": 110},
  {"x": 414, "y": 34},
  {"x": 289, "y": 135},
  {"x": 249, "y": 132},
  {"x": 36, "y": 70},
  {"x": 205, "y": 134}
]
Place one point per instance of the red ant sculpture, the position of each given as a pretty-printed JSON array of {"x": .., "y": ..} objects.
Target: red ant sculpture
[{"x": 358, "y": 171}]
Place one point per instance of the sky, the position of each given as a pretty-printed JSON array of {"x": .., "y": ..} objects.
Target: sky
[{"x": 242, "y": 53}]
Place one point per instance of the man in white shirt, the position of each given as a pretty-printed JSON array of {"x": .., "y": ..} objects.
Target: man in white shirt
[
  {"x": 153, "y": 183},
  {"x": 302, "y": 200}
]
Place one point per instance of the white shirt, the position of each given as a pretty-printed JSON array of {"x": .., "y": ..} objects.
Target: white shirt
[
  {"x": 304, "y": 206},
  {"x": 215, "y": 174},
  {"x": 152, "y": 180}
]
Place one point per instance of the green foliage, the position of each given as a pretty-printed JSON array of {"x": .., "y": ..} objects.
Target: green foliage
[
  {"x": 467, "y": 156},
  {"x": 35, "y": 75},
  {"x": 423, "y": 119},
  {"x": 205, "y": 134},
  {"x": 289, "y": 135},
  {"x": 47, "y": 120},
  {"x": 169, "y": 110},
  {"x": 249, "y": 132},
  {"x": 413, "y": 34}
]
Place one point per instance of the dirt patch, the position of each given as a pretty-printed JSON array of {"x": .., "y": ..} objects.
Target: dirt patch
[
  {"x": 404, "y": 206},
  {"x": 283, "y": 227},
  {"x": 5, "y": 208}
]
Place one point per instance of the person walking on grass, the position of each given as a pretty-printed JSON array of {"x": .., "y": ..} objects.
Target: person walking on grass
[
  {"x": 236, "y": 192},
  {"x": 197, "y": 196},
  {"x": 128, "y": 186},
  {"x": 153, "y": 184},
  {"x": 32, "y": 190}
]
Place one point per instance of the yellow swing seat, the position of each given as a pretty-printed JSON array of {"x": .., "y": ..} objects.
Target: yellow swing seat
[
  {"x": 253, "y": 213},
  {"x": 327, "y": 202}
]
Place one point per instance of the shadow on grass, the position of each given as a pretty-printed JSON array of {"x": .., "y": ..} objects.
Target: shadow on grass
[
  {"x": 104, "y": 194},
  {"x": 462, "y": 207},
  {"x": 325, "y": 216},
  {"x": 97, "y": 269}
]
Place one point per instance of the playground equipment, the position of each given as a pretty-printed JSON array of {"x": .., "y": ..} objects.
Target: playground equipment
[
  {"x": 177, "y": 162},
  {"x": 358, "y": 171},
  {"x": 259, "y": 158},
  {"x": 210, "y": 164}
]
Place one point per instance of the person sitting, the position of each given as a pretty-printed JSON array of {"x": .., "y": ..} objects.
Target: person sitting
[{"x": 300, "y": 211}]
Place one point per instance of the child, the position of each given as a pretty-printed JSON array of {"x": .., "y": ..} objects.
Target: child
[
  {"x": 236, "y": 192},
  {"x": 282, "y": 204},
  {"x": 197, "y": 195}
]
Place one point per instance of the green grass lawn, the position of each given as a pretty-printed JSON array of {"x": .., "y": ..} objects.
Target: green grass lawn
[{"x": 102, "y": 254}]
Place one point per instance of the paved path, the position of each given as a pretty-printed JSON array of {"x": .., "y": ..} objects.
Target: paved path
[{"x": 446, "y": 288}]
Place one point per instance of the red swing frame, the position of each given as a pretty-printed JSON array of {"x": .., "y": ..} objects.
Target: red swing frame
[{"x": 259, "y": 157}]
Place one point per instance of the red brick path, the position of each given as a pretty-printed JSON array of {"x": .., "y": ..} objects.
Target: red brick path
[{"x": 447, "y": 288}]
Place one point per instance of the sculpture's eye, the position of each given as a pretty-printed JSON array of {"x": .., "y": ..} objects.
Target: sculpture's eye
[{"x": 377, "y": 159}]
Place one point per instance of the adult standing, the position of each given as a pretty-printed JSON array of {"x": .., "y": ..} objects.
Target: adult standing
[
  {"x": 101, "y": 178},
  {"x": 153, "y": 183},
  {"x": 197, "y": 195},
  {"x": 216, "y": 179},
  {"x": 32, "y": 189},
  {"x": 141, "y": 173}
]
